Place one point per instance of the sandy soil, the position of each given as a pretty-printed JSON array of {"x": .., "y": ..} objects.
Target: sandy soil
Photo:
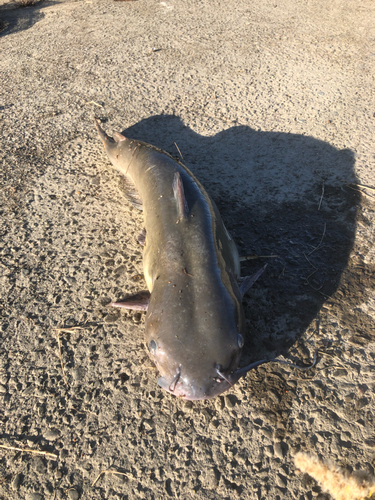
[{"x": 272, "y": 106}]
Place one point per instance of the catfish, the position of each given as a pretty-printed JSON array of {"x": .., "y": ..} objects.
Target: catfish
[{"x": 195, "y": 323}]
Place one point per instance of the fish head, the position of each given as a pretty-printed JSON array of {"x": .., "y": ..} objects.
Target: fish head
[{"x": 196, "y": 350}]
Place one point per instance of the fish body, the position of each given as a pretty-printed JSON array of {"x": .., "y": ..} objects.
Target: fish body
[{"x": 195, "y": 326}]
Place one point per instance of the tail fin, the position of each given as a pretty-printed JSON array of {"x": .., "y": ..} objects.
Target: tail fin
[{"x": 104, "y": 137}]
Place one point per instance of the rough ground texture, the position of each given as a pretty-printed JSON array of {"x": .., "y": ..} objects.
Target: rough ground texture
[{"x": 271, "y": 104}]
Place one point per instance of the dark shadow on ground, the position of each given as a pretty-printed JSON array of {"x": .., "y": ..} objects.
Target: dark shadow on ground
[
  {"x": 268, "y": 187},
  {"x": 14, "y": 18}
]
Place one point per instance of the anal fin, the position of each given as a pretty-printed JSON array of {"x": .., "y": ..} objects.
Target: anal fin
[{"x": 248, "y": 281}]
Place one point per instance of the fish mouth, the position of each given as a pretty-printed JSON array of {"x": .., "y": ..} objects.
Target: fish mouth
[
  {"x": 181, "y": 387},
  {"x": 220, "y": 381}
]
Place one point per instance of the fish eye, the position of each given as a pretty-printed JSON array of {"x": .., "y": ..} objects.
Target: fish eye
[
  {"x": 240, "y": 341},
  {"x": 152, "y": 346}
]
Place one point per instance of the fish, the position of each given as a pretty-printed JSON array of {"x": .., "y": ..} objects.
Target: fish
[{"x": 195, "y": 322}]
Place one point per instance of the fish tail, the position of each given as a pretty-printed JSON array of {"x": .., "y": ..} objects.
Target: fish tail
[{"x": 104, "y": 137}]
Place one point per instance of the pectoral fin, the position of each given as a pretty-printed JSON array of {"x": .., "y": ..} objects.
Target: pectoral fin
[
  {"x": 137, "y": 302},
  {"x": 248, "y": 281}
]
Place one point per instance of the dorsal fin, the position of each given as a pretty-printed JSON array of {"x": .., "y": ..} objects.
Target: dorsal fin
[
  {"x": 179, "y": 194},
  {"x": 118, "y": 137}
]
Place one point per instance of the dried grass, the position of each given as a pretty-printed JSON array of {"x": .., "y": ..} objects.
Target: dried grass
[
  {"x": 27, "y": 3},
  {"x": 107, "y": 472},
  {"x": 339, "y": 484},
  {"x": 28, "y": 450}
]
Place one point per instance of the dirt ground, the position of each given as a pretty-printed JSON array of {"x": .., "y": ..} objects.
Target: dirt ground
[{"x": 272, "y": 106}]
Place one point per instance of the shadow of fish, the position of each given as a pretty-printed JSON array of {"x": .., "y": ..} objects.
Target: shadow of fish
[{"x": 195, "y": 325}]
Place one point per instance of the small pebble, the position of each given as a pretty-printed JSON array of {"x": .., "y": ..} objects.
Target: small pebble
[
  {"x": 34, "y": 496},
  {"x": 267, "y": 433},
  {"x": 361, "y": 403},
  {"x": 17, "y": 481},
  {"x": 87, "y": 397},
  {"x": 275, "y": 397},
  {"x": 59, "y": 494},
  {"x": 340, "y": 372},
  {"x": 111, "y": 318},
  {"x": 229, "y": 401},
  {"x": 269, "y": 451},
  {"x": 280, "y": 449},
  {"x": 137, "y": 317},
  {"x": 73, "y": 494},
  {"x": 188, "y": 405},
  {"x": 39, "y": 465},
  {"x": 41, "y": 410},
  {"x": 70, "y": 322},
  {"x": 281, "y": 481},
  {"x": 210, "y": 478},
  {"x": 219, "y": 403},
  {"x": 51, "y": 434},
  {"x": 78, "y": 373}
]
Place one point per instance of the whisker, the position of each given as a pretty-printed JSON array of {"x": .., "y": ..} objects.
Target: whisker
[
  {"x": 223, "y": 376},
  {"x": 176, "y": 378}
]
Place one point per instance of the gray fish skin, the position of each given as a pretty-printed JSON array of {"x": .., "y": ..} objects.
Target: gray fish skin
[{"x": 195, "y": 322}]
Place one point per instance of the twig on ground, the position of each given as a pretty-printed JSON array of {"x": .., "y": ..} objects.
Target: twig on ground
[
  {"x": 317, "y": 289},
  {"x": 321, "y": 198},
  {"x": 70, "y": 329},
  {"x": 321, "y": 239},
  {"x": 315, "y": 331},
  {"x": 61, "y": 360},
  {"x": 95, "y": 104},
  {"x": 70, "y": 489},
  {"x": 317, "y": 325},
  {"x": 107, "y": 472},
  {"x": 27, "y": 3},
  {"x": 178, "y": 149},
  {"x": 27, "y": 450},
  {"x": 253, "y": 257},
  {"x": 362, "y": 185},
  {"x": 312, "y": 265},
  {"x": 283, "y": 271},
  {"x": 361, "y": 190}
]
